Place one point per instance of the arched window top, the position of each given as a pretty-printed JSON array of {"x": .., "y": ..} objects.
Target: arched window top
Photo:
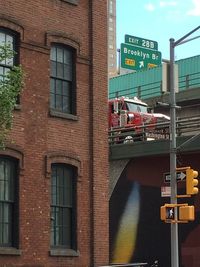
[
  {"x": 63, "y": 39},
  {"x": 68, "y": 159},
  {"x": 12, "y": 27},
  {"x": 8, "y": 31},
  {"x": 14, "y": 154}
]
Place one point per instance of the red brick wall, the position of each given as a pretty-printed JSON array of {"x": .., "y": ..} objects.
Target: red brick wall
[{"x": 36, "y": 135}]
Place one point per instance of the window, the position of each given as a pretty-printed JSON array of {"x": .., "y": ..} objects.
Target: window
[
  {"x": 62, "y": 84},
  {"x": 8, "y": 203},
  {"x": 6, "y": 37},
  {"x": 9, "y": 38},
  {"x": 63, "y": 197}
]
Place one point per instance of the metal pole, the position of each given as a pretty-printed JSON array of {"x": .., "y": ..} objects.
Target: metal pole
[
  {"x": 173, "y": 148},
  {"x": 119, "y": 61},
  {"x": 173, "y": 183}
]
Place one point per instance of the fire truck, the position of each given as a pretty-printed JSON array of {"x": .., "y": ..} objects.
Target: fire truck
[{"x": 132, "y": 115}]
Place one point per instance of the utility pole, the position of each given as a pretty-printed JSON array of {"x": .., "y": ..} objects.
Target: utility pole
[{"x": 173, "y": 182}]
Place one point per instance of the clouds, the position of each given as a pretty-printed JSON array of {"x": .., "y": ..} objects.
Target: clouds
[
  {"x": 161, "y": 4},
  {"x": 149, "y": 7},
  {"x": 195, "y": 11},
  {"x": 168, "y": 3},
  {"x": 184, "y": 8}
]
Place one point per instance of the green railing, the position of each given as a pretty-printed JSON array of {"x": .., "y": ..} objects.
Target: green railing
[
  {"x": 154, "y": 89},
  {"x": 187, "y": 126}
]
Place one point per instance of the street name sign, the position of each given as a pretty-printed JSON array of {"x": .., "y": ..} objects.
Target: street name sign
[
  {"x": 180, "y": 176},
  {"x": 145, "y": 43},
  {"x": 139, "y": 58}
]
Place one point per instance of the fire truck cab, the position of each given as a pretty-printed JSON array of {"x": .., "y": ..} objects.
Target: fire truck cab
[{"x": 124, "y": 112}]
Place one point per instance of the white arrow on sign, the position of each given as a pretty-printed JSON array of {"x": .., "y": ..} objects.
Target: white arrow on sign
[
  {"x": 180, "y": 176},
  {"x": 141, "y": 64}
]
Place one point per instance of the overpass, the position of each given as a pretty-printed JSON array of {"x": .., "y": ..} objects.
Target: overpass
[
  {"x": 137, "y": 191},
  {"x": 188, "y": 141},
  {"x": 148, "y": 85},
  {"x": 137, "y": 184}
]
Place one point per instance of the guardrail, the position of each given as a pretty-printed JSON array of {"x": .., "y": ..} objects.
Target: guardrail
[
  {"x": 154, "y": 89},
  {"x": 148, "y": 132}
]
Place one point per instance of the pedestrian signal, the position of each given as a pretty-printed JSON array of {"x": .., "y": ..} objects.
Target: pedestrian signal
[
  {"x": 167, "y": 213},
  {"x": 186, "y": 213}
]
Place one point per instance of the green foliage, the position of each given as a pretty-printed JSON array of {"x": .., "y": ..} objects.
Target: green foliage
[{"x": 10, "y": 86}]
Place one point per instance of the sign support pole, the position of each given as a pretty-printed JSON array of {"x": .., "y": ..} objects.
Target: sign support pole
[
  {"x": 173, "y": 183},
  {"x": 173, "y": 149}
]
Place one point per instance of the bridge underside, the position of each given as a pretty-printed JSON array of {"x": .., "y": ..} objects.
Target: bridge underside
[
  {"x": 137, "y": 191},
  {"x": 122, "y": 154},
  {"x": 135, "y": 203},
  {"x": 185, "y": 144}
]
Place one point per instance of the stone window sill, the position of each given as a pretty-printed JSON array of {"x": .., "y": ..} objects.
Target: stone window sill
[
  {"x": 73, "y": 2},
  {"x": 54, "y": 113},
  {"x": 64, "y": 253},
  {"x": 10, "y": 251}
]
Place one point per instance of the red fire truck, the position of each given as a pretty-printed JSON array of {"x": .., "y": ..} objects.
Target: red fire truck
[{"x": 131, "y": 113}]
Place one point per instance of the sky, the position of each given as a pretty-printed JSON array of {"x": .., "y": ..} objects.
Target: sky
[{"x": 159, "y": 21}]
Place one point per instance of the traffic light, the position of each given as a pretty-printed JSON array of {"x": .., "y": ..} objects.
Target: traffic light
[
  {"x": 167, "y": 212},
  {"x": 191, "y": 182},
  {"x": 186, "y": 213}
]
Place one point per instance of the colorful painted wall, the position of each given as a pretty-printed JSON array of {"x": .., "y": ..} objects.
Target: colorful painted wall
[{"x": 136, "y": 232}]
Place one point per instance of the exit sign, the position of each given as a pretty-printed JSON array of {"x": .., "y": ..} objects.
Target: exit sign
[
  {"x": 145, "y": 43},
  {"x": 139, "y": 58}
]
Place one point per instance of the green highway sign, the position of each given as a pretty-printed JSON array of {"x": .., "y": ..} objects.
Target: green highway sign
[
  {"x": 145, "y": 43},
  {"x": 138, "y": 58}
]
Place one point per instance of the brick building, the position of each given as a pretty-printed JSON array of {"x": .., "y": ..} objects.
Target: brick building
[
  {"x": 54, "y": 170},
  {"x": 112, "y": 44}
]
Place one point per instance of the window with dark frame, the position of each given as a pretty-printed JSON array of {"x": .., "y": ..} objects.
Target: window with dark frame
[
  {"x": 63, "y": 198},
  {"x": 8, "y": 37},
  {"x": 62, "y": 83},
  {"x": 8, "y": 203}
]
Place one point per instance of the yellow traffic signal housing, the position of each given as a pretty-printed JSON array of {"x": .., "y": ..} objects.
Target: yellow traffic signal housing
[
  {"x": 191, "y": 182},
  {"x": 163, "y": 213},
  {"x": 167, "y": 212},
  {"x": 186, "y": 213}
]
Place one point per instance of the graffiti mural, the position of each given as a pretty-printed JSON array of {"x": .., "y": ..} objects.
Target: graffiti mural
[
  {"x": 136, "y": 232},
  {"x": 128, "y": 227}
]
